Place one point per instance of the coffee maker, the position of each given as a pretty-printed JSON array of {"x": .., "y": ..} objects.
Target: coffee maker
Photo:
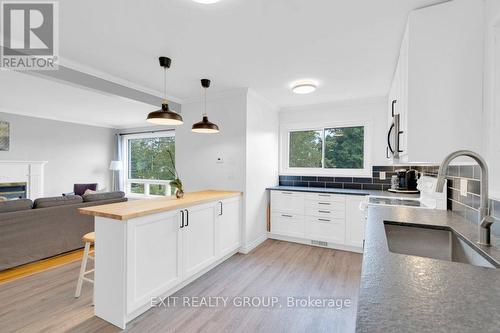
[{"x": 404, "y": 181}]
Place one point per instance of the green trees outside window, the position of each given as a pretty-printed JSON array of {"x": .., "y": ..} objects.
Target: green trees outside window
[
  {"x": 149, "y": 159},
  {"x": 330, "y": 148},
  {"x": 344, "y": 147},
  {"x": 306, "y": 149}
]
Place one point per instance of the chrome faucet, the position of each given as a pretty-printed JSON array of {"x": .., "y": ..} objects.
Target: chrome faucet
[{"x": 484, "y": 211}]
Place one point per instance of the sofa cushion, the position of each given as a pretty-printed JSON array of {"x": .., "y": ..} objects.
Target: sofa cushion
[
  {"x": 57, "y": 201},
  {"x": 15, "y": 205},
  {"x": 103, "y": 196}
]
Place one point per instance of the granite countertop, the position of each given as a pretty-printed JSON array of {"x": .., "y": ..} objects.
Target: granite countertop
[
  {"x": 343, "y": 191},
  {"x": 403, "y": 293}
]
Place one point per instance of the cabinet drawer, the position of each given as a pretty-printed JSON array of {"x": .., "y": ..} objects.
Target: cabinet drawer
[
  {"x": 325, "y": 229},
  {"x": 287, "y": 201},
  {"x": 329, "y": 197},
  {"x": 287, "y": 224},
  {"x": 326, "y": 211}
]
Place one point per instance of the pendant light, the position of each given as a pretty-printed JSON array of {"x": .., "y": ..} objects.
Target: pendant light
[
  {"x": 205, "y": 126},
  {"x": 165, "y": 116}
]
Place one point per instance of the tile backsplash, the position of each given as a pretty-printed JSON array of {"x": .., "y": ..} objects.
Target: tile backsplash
[
  {"x": 361, "y": 183},
  {"x": 468, "y": 205}
]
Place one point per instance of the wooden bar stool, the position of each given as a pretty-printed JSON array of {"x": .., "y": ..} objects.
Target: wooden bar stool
[{"x": 88, "y": 239}]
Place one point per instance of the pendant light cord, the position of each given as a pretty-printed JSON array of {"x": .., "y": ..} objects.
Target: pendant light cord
[
  {"x": 205, "y": 101},
  {"x": 165, "y": 85}
]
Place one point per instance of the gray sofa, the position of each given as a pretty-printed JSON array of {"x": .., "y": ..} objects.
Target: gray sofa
[{"x": 31, "y": 231}]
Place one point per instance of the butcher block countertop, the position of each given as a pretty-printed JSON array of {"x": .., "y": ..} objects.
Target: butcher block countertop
[{"x": 136, "y": 208}]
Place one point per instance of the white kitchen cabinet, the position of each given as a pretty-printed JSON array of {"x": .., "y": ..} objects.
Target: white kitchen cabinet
[
  {"x": 228, "y": 225},
  {"x": 355, "y": 226},
  {"x": 140, "y": 258},
  {"x": 325, "y": 229},
  {"x": 287, "y": 224},
  {"x": 437, "y": 83},
  {"x": 198, "y": 238},
  {"x": 287, "y": 201},
  {"x": 315, "y": 218},
  {"x": 155, "y": 256}
]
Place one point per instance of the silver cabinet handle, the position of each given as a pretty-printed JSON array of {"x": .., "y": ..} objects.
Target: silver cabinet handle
[
  {"x": 324, "y": 203},
  {"x": 286, "y": 192},
  {"x": 324, "y": 211},
  {"x": 324, "y": 220},
  {"x": 285, "y": 215}
]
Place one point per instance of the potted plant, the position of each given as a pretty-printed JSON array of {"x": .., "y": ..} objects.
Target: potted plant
[{"x": 177, "y": 183}]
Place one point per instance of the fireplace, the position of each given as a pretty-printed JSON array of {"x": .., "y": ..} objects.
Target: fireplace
[{"x": 13, "y": 191}]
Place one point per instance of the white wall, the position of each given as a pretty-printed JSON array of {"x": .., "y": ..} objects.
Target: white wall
[
  {"x": 491, "y": 115},
  {"x": 196, "y": 154},
  {"x": 75, "y": 153},
  {"x": 248, "y": 145},
  {"x": 373, "y": 110},
  {"x": 261, "y": 164}
]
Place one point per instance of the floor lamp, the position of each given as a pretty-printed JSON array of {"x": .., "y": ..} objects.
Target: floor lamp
[{"x": 114, "y": 166}]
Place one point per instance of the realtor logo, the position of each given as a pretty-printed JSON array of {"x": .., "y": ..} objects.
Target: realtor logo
[{"x": 29, "y": 38}]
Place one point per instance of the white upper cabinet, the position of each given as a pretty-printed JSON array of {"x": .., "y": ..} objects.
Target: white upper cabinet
[{"x": 438, "y": 82}]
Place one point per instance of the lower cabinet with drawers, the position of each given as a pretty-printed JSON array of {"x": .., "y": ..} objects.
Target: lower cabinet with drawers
[{"x": 324, "y": 219}]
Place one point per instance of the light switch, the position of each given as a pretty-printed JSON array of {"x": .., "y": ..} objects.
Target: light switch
[
  {"x": 381, "y": 175},
  {"x": 463, "y": 187}
]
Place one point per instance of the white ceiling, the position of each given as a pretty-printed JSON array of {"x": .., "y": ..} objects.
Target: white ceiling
[
  {"x": 38, "y": 97},
  {"x": 349, "y": 46}
]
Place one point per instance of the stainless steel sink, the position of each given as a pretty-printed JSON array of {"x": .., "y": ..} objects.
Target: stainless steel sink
[{"x": 429, "y": 242}]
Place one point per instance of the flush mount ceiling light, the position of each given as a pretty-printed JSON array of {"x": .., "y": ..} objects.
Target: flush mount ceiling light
[
  {"x": 165, "y": 116},
  {"x": 205, "y": 126},
  {"x": 304, "y": 87}
]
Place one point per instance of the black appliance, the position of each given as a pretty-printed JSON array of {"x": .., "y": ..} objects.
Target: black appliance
[{"x": 407, "y": 181}]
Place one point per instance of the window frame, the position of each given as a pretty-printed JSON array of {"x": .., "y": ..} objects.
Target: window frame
[
  {"x": 127, "y": 182},
  {"x": 287, "y": 128}
]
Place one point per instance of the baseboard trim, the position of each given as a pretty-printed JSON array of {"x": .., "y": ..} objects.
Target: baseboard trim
[
  {"x": 334, "y": 246},
  {"x": 249, "y": 247}
]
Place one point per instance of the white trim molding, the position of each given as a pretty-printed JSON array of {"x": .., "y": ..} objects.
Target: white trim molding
[{"x": 247, "y": 248}]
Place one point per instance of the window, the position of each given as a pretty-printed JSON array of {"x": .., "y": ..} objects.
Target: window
[
  {"x": 148, "y": 164},
  {"x": 334, "y": 149}
]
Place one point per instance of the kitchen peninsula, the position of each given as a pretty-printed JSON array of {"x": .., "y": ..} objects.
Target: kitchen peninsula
[{"x": 154, "y": 247}]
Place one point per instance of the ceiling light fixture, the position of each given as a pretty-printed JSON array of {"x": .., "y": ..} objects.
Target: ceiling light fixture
[
  {"x": 165, "y": 116},
  {"x": 304, "y": 87},
  {"x": 205, "y": 126}
]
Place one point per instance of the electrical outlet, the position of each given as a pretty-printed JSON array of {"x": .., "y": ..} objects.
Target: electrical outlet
[
  {"x": 463, "y": 187},
  {"x": 220, "y": 160},
  {"x": 381, "y": 175}
]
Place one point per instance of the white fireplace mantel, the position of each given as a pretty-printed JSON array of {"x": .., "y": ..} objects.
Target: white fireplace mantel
[{"x": 29, "y": 172}]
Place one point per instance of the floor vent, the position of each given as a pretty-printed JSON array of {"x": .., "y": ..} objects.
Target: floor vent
[{"x": 319, "y": 243}]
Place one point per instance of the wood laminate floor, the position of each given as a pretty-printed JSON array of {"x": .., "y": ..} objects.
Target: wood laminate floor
[{"x": 44, "y": 302}]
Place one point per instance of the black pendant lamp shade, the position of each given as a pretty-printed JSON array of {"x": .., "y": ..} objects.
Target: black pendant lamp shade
[
  {"x": 165, "y": 116},
  {"x": 205, "y": 126}
]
